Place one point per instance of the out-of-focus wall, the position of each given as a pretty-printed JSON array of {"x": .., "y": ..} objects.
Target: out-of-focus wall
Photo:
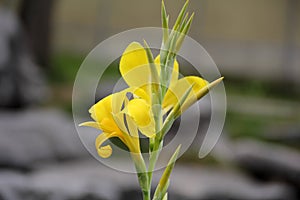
[{"x": 257, "y": 38}]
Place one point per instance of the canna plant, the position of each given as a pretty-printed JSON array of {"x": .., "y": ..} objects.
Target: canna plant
[{"x": 154, "y": 99}]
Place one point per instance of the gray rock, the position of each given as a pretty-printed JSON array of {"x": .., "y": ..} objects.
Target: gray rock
[
  {"x": 68, "y": 181},
  {"x": 211, "y": 183},
  {"x": 21, "y": 82},
  {"x": 34, "y": 136},
  {"x": 88, "y": 179},
  {"x": 10, "y": 182},
  {"x": 82, "y": 180},
  {"x": 264, "y": 160},
  {"x": 269, "y": 161}
]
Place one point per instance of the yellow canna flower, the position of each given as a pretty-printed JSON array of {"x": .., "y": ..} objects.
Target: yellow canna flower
[
  {"x": 135, "y": 70},
  {"x": 109, "y": 113}
]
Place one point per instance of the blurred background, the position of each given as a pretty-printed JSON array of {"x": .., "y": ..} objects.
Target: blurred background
[{"x": 255, "y": 44}]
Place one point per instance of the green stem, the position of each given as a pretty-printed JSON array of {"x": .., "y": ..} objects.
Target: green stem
[
  {"x": 146, "y": 194},
  {"x": 155, "y": 144},
  {"x": 142, "y": 174},
  {"x": 152, "y": 162}
]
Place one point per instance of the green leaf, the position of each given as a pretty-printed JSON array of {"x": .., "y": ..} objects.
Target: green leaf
[
  {"x": 165, "y": 22},
  {"x": 184, "y": 21},
  {"x": 184, "y": 31},
  {"x": 141, "y": 170},
  {"x": 164, "y": 190},
  {"x": 180, "y": 16},
  {"x": 163, "y": 184},
  {"x": 165, "y": 197}
]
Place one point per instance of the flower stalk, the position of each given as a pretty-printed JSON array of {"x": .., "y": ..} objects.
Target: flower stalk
[
  {"x": 157, "y": 98},
  {"x": 142, "y": 175}
]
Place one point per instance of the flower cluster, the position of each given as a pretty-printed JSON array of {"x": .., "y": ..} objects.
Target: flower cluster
[
  {"x": 109, "y": 113},
  {"x": 155, "y": 97}
]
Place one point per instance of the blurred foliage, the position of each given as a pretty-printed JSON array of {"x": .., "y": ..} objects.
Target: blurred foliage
[
  {"x": 64, "y": 68},
  {"x": 245, "y": 125},
  {"x": 258, "y": 88},
  {"x": 240, "y": 125},
  {"x": 62, "y": 74}
]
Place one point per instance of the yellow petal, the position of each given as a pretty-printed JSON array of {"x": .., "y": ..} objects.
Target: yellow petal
[
  {"x": 149, "y": 130},
  {"x": 102, "y": 109},
  {"x": 201, "y": 91},
  {"x": 91, "y": 124},
  {"x": 109, "y": 125},
  {"x": 134, "y": 65},
  {"x": 198, "y": 83},
  {"x": 119, "y": 120},
  {"x": 133, "y": 129},
  {"x": 134, "y": 145},
  {"x": 102, "y": 113},
  {"x": 141, "y": 93},
  {"x": 175, "y": 70},
  {"x": 104, "y": 151},
  {"x": 118, "y": 100},
  {"x": 175, "y": 93},
  {"x": 140, "y": 111}
]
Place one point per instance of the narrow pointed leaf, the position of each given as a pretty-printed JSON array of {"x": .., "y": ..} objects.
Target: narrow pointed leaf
[
  {"x": 165, "y": 197},
  {"x": 180, "y": 16},
  {"x": 165, "y": 23},
  {"x": 184, "y": 21},
  {"x": 164, "y": 181},
  {"x": 184, "y": 32},
  {"x": 164, "y": 191}
]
